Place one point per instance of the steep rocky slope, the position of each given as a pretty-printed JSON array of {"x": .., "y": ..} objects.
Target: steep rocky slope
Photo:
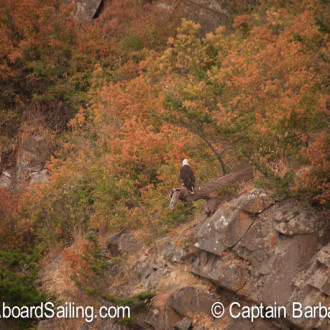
[{"x": 253, "y": 250}]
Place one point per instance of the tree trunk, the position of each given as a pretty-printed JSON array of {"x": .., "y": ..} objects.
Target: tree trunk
[
  {"x": 217, "y": 155},
  {"x": 213, "y": 192}
]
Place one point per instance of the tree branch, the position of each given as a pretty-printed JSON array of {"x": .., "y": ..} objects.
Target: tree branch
[{"x": 213, "y": 192}]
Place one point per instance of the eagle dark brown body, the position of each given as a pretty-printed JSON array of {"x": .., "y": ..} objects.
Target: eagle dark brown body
[{"x": 187, "y": 176}]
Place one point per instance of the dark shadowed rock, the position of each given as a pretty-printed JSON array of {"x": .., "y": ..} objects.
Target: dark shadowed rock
[
  {"x": 229, "y": 323},
  {"x": 189, "y": 301},
  {"x": 184, "y": 324},
  {"x": 122, "y": 244},
  {"x": 223, "y": 273}
]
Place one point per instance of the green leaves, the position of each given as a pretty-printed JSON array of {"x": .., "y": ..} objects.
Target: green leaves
[{"x": 18, "y": 272}]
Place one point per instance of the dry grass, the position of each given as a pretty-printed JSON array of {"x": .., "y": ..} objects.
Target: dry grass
[
  {"x": 179, "y": 278},
  {"x": 55, "y": 278}
]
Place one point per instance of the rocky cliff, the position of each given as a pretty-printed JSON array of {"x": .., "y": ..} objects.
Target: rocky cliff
[
  {"x": 253, "y": 250},
  {"x": 28, "y": 163}
]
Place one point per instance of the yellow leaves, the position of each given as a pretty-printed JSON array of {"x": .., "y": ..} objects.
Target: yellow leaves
[{"x": 188, "y": 28}]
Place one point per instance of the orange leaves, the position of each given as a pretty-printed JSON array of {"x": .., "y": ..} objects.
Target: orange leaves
[
  {"x": 8, "y": 202},
  {"x": 78, "y": 120},
  {"x": 263, "y": 91},
  {"x": 85, "y": 260},
  {"x": 75, "y": 257},
  {"x": 15, "y": 228},
  {"x": 268, "y": 82},
  {"x": 127, "y": 127},
  {"x": 317, "y": 176},
  {"x": 241, "y": 21},
  {"x": 274, "y": 75}
]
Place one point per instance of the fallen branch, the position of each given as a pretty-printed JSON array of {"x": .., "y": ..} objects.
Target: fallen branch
[{"x": 213, "y": 192}]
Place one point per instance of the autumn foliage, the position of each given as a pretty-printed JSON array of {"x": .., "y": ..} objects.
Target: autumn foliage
[
  {"x": 46, "y": 60},
  {"x": 256, "y": 95},
  {"x": 133, "y": 107},
  {"x": 86, "y": 263}
]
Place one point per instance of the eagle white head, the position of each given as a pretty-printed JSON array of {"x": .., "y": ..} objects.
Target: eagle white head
[{"x": 185, "y": 162}]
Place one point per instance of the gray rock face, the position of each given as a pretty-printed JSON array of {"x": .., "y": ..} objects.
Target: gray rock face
[
  {"x": 312, "y": 286},
  {"x": 32, "y": 154},
  {"x": 6, "y": 180},
  {"x": 189, "y": 301},
  {"x": 175, "y": 254},
  {"x": 105, "y": 324},
  {"x": 209, "y": 13},
  {"x": 220, "y": 272},
  {"x": 266, "y": 253},
  {"x": 46, "y": 324},
  {"x": 228, "y": 225},
  {"x": 289, "y": 220},
  {"x": 151, "y": 272},
  {"x": 86, "y": 9}
]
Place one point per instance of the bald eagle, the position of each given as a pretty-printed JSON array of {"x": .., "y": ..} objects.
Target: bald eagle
[{"x": 187, "y": 176}]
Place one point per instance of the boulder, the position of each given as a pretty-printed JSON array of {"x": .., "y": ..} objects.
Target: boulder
[
  {"x": 150, "y": 272},
  {"x": 86, "y": 9},
  {"x": 122, "y": 244},
  {"x": 230, "y": 223},
  {"x": 184, "y": 324},
  {"x": 189, "y": 301}
]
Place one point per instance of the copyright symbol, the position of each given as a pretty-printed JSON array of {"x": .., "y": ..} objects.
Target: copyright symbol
[{"x": 217, "y": 310}]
